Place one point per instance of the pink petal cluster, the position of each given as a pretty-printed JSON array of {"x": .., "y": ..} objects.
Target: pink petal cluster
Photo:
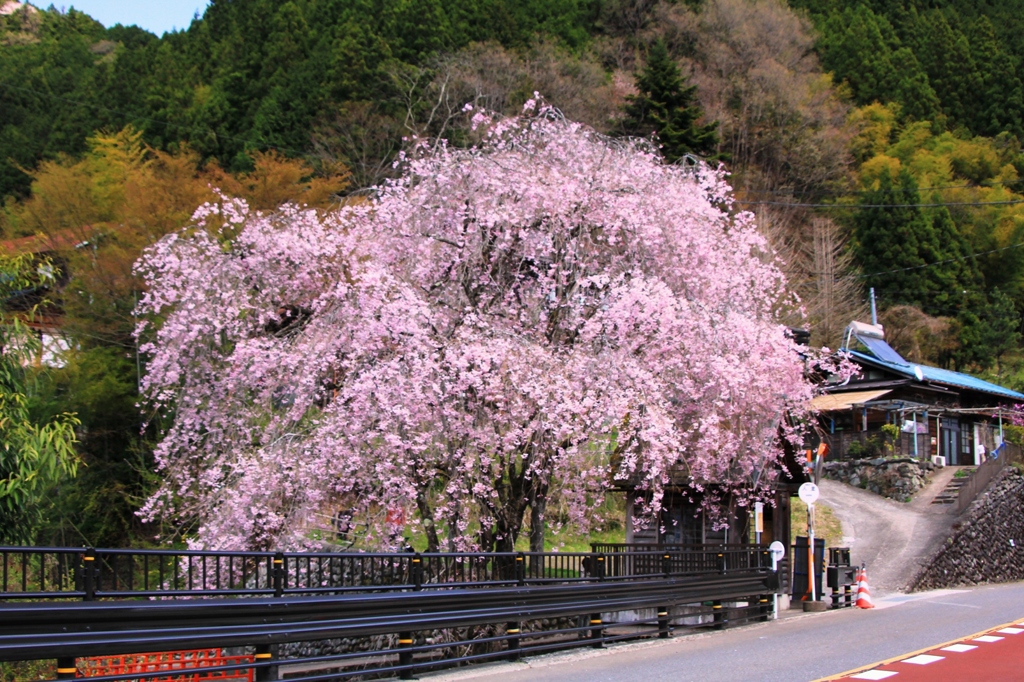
[{"x": 548, "y": 311}]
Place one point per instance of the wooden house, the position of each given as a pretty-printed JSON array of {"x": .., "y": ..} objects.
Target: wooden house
[{"x": 936, "y": 412}]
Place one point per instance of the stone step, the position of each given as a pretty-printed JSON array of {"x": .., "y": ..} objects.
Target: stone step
[{"x": 951, "y": 493}]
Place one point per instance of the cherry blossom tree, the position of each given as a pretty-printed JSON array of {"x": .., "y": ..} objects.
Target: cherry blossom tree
[{"x": 550, "y": 310}]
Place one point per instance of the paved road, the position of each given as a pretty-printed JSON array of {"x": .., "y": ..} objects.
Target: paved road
[
  {"x": 893, "y": 538},
  {"x": 801, "y": 647},
  {"x": 994, "y": 654}
]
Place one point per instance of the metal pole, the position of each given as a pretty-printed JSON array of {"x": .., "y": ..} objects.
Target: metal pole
[
  {"x": 66, "y": 668},
  {"x": 775, "y": 595},
  {"x": 810, "y": 561},
  {"x": 927, "y": 442},
  {"x": 914, "y": 416},
  {"x": 265, "y": 653}
]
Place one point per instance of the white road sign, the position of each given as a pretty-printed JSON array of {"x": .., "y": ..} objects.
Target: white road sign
[{"x": 808, "y": 493}]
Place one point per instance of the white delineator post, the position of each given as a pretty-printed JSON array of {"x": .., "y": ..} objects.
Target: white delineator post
[{"x": 777, "y": 550}]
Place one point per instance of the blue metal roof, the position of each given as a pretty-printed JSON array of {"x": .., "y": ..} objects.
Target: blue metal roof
[{"x": 941, "y": 376}]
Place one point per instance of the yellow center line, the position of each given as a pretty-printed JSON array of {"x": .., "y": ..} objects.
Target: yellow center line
[{"x": 901, "y": 657}]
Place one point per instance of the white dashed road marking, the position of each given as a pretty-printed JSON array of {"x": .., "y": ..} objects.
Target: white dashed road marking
[{"x": 959, "y": 648}]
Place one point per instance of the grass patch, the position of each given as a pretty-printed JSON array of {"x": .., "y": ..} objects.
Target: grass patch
[
  {"x": 826, "y": 523},
  {"x": 568, "y": 539}
]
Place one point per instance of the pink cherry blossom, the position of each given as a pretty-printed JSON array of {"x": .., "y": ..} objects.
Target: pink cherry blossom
[{"x": 543, "y": 316}]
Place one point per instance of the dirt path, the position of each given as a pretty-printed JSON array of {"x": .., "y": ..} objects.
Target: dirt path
[{"x": 892, "y": 538}]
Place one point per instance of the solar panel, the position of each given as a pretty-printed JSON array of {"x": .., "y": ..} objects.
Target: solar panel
[{"x": 881, "y": 350}]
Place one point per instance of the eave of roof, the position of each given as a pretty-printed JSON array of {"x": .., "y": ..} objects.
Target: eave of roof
[
  {"x": 940, "y": 376},
  {"x": 834, "y": 402}
]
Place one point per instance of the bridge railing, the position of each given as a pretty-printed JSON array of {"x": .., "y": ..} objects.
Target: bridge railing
[
  {"x": 396, "y": 613},
  {"x": 33, "y": 573}
]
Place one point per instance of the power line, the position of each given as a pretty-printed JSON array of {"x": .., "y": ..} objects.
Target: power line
[
  {"x": 842, "y": 193},
  {"x": 1008, "y": 202},
  {"x": 941, "y": 262}
]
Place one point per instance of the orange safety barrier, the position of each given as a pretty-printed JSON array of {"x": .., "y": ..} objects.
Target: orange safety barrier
[{"x": 169, "y": 661}]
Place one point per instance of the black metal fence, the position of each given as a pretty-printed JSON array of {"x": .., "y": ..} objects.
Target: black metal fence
[
  {"x": 89, "y": 574},
  {"x": 64, "y": 604},
  {"x": 634, "y": 559}
]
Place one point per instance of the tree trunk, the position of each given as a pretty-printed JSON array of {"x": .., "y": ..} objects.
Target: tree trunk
[
  {"x": 538, "y": 507},
  {"x": 427, "y": 516}
]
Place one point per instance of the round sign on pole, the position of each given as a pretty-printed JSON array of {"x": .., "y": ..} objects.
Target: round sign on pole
[
  {"x": 808, "y": 493},
  {"x": 778, "y": 550}
]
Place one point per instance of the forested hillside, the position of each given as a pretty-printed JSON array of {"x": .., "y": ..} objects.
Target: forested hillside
[
  {"x": 250, "y": 75},
  {"x": 878, "y": 144}
]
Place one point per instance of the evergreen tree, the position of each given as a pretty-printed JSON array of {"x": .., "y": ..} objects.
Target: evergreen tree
[
  {"x": 887, "y": 240},
  {"x": 857, "y": 46},
  {"x": 667, "y": 107},
  {"x": 1001, "y": 105},
  {"x": 911, "y": 88},
  {"x": 944, "y": 243},
  {"x": 989, "y": 328},
  {"x": 946, "y": 57},
  {"x": 896, "y": 242},
  {"x": 862, "y": 48}
]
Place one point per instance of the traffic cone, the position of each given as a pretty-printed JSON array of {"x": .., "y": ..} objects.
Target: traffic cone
[{"x": 863, "y": 591}]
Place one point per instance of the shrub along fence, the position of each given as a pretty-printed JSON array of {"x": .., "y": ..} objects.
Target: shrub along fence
[{"x": 384, "y": 614}]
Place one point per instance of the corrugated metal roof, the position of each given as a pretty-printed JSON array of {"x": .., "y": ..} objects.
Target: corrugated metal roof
[
  {"x": 941, "y": 376},
  {"x": 844, "y": 401}
]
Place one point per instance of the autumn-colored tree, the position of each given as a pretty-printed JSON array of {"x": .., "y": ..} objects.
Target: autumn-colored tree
[
  {"x": 782, "y": 121},
  {"x": 820, "y": 269},
  {"x": 548, "y": 308},
  {"x": 96, "y": 215}
]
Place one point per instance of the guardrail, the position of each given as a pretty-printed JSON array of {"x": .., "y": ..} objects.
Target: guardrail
[
  {"x": 75, "y": 603},
  {"x": 984, "y": 474}
]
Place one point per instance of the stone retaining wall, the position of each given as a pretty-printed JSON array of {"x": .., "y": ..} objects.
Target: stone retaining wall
[
  {"x": 987, "y": 544},
  {"x": 897, "y": 479}
]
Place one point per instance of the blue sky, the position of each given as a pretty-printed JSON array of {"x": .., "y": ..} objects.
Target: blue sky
[{"x": 157, "y": 16}]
